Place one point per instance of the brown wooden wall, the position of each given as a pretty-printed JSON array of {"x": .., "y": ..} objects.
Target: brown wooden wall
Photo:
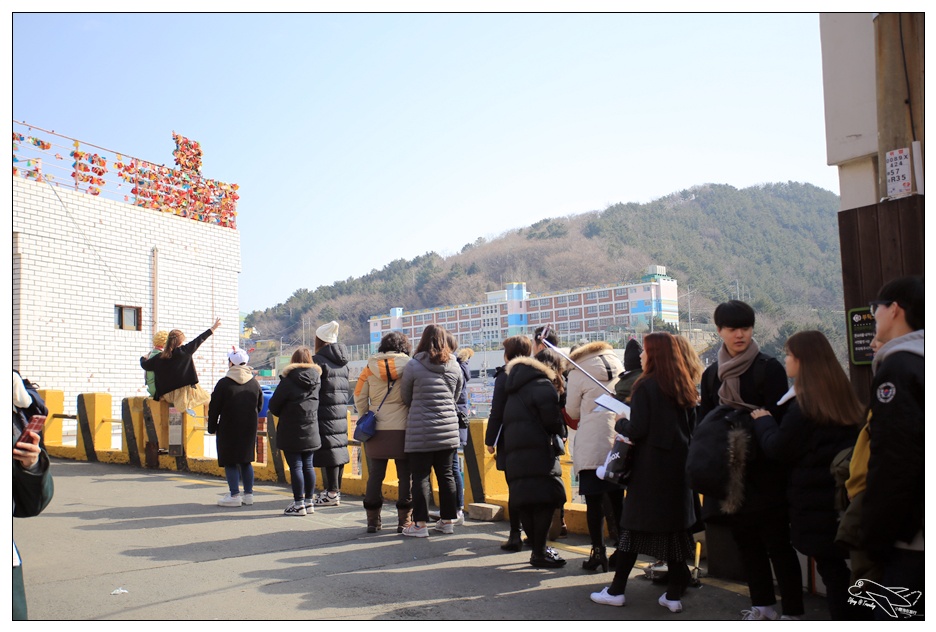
[{"x": 879, "y": 243}]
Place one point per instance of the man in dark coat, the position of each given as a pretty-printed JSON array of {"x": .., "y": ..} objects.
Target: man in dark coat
[
  {"x": 744, "y": 378},
  {"x": 892, "y": 515},
  {"x": 232, "y": 414}
]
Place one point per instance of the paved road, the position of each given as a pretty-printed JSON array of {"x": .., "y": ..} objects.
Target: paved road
[{"x": 160, "y": 537}]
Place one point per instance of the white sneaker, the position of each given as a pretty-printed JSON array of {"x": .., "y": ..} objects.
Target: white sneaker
[
  {"x": 459, "y": 518},
  {"x": 759, "y": 613},
  {"x": 413, "y": 531},
  {"x": 248, "y": 499},
  {"x": 673, "y": 606},
  {"x": 295, "y": 509},
  {"x": 309, "y": 505},
  {"x": 230, "y": 501},
  {"x": 444, "y": 527},
  {"x": 327, "y": 500},
  {"x": 608, "y": 600}
]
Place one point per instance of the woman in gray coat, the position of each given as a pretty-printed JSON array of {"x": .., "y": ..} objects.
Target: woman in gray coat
[{"x": 430, "y": 386}]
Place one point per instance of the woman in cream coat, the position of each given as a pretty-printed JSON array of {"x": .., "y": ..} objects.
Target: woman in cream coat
[
  {"x": 593, "y": 439},
  {"x": 384, "y": 369}
]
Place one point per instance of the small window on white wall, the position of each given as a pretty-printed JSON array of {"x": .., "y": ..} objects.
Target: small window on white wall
[{"x": 127, "y": 317}]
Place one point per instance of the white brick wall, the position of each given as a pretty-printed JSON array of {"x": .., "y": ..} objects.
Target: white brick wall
[{"x": 76, "y": 256}]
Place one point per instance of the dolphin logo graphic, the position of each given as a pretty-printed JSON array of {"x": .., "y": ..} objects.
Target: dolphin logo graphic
[{"x": 885, "y": 598}]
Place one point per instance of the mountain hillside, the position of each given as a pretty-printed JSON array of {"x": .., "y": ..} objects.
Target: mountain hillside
[{"x": 774, "y": 245}]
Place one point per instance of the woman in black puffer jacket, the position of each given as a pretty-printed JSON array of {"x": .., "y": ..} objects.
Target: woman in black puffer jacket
[
  {"x": 332, "y": 357},
  {"x": 295, "y": 403},
  {"x": 532, "y": 415},
  {"x": 821, "y": 421}
]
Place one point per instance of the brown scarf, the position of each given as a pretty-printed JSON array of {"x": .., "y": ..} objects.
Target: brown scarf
[{"x": 730, "y": 370}]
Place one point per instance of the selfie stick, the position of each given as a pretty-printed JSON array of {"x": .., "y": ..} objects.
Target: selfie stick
[{"x": 571, "y": 361}]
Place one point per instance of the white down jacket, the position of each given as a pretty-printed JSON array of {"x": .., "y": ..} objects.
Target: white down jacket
[{"x": 595, "y": 433}]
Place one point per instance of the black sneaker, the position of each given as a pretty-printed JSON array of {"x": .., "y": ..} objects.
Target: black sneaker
[{"x": 550, "y": 559}]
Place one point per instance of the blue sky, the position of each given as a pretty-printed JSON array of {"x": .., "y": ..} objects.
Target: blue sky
[{"x": 358, "y": 139}]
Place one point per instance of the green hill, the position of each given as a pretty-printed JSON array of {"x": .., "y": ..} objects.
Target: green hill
[{"x": 775, "y": 245}]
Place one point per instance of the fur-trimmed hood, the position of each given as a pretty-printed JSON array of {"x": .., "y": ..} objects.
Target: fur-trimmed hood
[
  {"x": 598, "y": 360},
  {"x": 306, "y": 376},
  {"x": 301, "y": 365},
  {"x": 590, "y": 348},
  {"x": 533, "y": 363}
]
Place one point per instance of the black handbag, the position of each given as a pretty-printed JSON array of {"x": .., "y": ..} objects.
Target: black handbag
[
  {"x": 558, "y": 445},
  {"x": 619, "y": 462}
]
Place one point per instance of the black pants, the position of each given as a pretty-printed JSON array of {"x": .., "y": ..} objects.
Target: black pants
[
  {"x": 421, "y": 465},
  {"x": 837, "y": 578},
  {"x": 905, "y": 569},
  {"x": 331, "y": 478},
  {"x": 377, "y": 472},
  {"x": 536, "y": 521},
  {"x": 514, "y": 512},
  {"x": 677, "y": 575},
  {"x": 594, "y": 514},
  {"x": 764, "y": 543}
]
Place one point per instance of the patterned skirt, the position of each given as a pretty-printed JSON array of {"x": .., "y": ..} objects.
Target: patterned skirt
[{"x": 662, "y": 546}]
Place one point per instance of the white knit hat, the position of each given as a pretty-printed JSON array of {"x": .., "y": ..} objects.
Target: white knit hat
[
  {"x": 328, "y": 332},
  {"x": 238, "y": 356}
]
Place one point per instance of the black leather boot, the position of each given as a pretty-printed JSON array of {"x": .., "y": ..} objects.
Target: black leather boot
[
  {"x": 596, "y": 559},
  {"x": 513, "y": 543}
]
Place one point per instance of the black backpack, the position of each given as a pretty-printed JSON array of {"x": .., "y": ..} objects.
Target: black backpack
[{"x": 718, "y": 456}]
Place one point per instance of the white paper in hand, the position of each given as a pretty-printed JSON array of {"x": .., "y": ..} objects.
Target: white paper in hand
[{"x": 609, "y": 403}]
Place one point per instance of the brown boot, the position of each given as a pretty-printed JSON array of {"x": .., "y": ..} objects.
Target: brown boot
[
  {"x": 373, "y": 520},
  {"x": 405, "y": 518}
]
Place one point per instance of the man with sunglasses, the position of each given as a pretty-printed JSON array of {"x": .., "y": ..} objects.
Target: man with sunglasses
[{"x": 892, "y": 516}]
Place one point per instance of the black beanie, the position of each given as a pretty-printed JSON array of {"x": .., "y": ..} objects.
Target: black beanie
[{"x": 632, "y": 355}]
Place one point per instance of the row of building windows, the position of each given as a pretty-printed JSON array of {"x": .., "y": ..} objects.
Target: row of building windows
[{"x": 589, "y": 296}]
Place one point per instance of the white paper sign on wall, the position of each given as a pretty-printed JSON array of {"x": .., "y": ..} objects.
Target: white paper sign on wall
[{"x": 897, "y": 166}]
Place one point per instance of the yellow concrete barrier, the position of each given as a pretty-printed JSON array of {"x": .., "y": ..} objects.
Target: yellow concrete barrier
[{"x": 146, "y": 429}]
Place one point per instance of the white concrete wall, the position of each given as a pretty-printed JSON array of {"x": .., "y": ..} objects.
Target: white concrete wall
[
  {"x": 76, "y": 256},
  {"x": 850, "y": 95}
]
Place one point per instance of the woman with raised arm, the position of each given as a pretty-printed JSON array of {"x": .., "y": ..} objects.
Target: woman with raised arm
[{"x": 174, "y": 371}]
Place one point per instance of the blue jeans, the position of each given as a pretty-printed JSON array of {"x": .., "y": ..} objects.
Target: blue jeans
[
  {"x": 236, "y": 473},
  {"x": 301, "y": 474},
  {"x": 459, "y": 483}
]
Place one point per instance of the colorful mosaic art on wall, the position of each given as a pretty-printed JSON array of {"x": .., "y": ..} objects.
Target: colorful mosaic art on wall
[{"x": 179, "y": 191}]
